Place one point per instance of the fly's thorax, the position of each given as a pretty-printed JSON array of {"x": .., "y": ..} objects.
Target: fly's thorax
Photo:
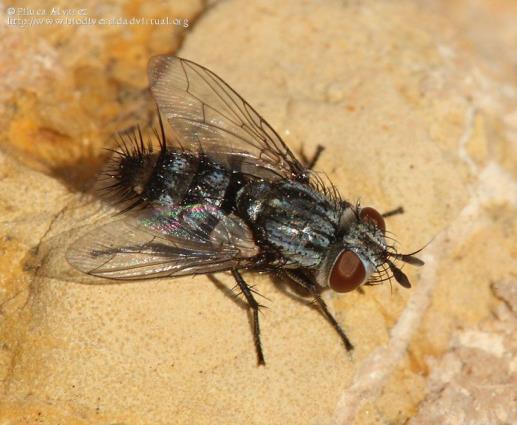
[{"x": 291, "y": 219}]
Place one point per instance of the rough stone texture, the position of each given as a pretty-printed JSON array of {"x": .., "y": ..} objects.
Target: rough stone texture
[
  {"x": 476, "y": 380},
  {"x": 415, "y": 103}
]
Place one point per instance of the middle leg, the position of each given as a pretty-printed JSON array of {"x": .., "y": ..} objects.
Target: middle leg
[{"x": 254, "y": 306}]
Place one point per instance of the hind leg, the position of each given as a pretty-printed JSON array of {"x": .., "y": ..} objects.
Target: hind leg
[{"x": 309, "y": 163}]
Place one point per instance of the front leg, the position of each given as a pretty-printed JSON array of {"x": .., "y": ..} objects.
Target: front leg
[
  {"x": 306, "y": 282},
  {"x": 396, "y": 211}
]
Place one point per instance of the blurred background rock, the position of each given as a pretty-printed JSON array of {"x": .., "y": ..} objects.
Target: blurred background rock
[{"x": 416, "y": 103}]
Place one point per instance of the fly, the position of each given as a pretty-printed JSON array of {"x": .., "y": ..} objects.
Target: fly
[{"x": 225, "y": 193}]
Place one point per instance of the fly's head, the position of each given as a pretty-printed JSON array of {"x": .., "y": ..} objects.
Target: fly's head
[{"x": 363, "y": 254}]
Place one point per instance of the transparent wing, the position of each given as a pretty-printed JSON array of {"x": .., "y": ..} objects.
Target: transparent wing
[
  {"x": 158, "y": 243},
  {"x": 206, "y": 114}
]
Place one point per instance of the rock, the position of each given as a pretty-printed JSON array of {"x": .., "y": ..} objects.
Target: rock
[{"x": 415, "y": 104}]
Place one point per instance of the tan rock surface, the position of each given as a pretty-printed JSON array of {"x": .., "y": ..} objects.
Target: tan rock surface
[{"x": 415, "y": 105}]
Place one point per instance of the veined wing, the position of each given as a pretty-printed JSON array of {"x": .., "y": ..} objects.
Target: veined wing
[
  {"x": 170, "y": 242},
  {"x": 207, "y": 115}
]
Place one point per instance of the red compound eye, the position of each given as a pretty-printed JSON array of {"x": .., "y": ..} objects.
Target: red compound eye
[
  {"x": 348, "y": 272},
  {"x": 371, "y": 215}
]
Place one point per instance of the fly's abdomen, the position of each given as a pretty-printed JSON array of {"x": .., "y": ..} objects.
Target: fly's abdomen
[
  {"x": 169, "y": 178},
  {"x": 209, "y": 185}
]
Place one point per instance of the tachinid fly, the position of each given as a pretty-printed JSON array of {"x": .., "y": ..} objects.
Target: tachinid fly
[{"x": 224, "y": 193}]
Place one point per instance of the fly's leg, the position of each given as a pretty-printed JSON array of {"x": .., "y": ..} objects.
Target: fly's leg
[
  {"x": 333, "y": 322},
  {"x": 301, "y": 279},
  {"x": 310, "y": 163},
  {"x": 254, "y": 306},
  {"x": 396, "y": 211}
]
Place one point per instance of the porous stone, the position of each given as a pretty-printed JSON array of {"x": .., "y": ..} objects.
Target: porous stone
[{"x": 415, "y": 105}]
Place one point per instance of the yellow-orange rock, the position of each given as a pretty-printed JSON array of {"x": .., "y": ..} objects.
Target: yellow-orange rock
[{"x": 415, "y": 104}]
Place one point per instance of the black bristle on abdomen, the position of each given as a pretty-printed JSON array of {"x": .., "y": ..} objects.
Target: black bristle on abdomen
[
  {"x": 121, "y": 181},
  {"x": 139, "y": 175}
]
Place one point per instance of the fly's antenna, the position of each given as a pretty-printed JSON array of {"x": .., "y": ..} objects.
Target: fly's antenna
[{"x": 399, "y": 275}]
